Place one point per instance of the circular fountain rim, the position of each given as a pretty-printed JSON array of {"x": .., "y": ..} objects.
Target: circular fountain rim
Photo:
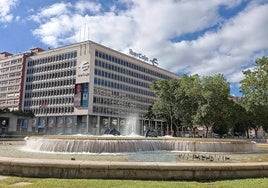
[
  {"x": 119, "y": 144},
  {"x": 111, "y": 137}
]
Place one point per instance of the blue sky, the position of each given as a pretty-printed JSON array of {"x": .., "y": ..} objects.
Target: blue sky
[{"x": 202, "y": 37}]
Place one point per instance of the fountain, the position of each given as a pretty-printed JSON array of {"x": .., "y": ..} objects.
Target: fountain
[
  {"x": 122, "y": 157},
  {"x": 119, "y": 144},
  {"x": 129, "y": 141},
  {"x": 131, "y": 157}
]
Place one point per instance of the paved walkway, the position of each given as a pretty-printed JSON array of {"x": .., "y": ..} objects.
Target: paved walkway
[{"x": 3, "y": 177}]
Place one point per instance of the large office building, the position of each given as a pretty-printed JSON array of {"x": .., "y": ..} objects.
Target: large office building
[{"x": 83, "y": 88}]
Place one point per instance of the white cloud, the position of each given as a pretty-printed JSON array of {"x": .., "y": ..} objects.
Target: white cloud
[
  {"x": 235, "y": 43},
  {"x": 82, "y": 6},
  {"x": 151, "y": 27},
  {"x": 5, "y": 10},
  {"x": 236, "y": 76},
  {"x": 52, "y": 11},
  {"x": 17, "y": 18}
]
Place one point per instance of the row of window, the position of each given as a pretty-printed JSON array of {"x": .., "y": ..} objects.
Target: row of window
[
  {"x": 122, "y": 95},
  {"x": 116, "y": 111},
  {"x": 117, "y": 77},
  {"x": 10, "y": 82},
  {"x": 130, "y": 65},
  {"x": 9, "y": 95},
  {"x": 52, "y": 67},
  {"x": 9, "y": 69},
  {"x": 10, "y": 75},
  {"x": 54, "y": 58},
  {"x": 123, "y": 87},
  {"x": 53, "y": 110},
  {"x": 10, "y": 88},
  {"x": 52, "y": 84},
  {"x": 123, "y": 70},
  {"x": 48, "y": 76},
  {"x": 9, "y": 102},
  {"x": 50, "y": 101},
  {"x": 11, "y": 62},
  {"x": 49, "y": 93},
  {"x": 119, "y": 103}
]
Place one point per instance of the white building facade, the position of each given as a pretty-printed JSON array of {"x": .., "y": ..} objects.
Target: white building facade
[{"x": 87, "y": 88}]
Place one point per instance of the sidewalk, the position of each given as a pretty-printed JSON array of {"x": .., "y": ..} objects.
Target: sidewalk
[{"x": 3, "y": 177}]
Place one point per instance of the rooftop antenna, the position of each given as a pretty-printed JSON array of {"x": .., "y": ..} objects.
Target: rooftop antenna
[
  {"x": 80, "y": 31},
  {"x": 84, "y": 39},
  {"x": 84, "y": 33},
  {"x": 88, "y": 34}
]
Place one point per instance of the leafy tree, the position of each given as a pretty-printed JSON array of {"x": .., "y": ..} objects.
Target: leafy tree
[
  {"x": 215, "y": 103},
  {"x": 221, "y": 128},
  {"x": 150, "y": 114},
  {"x": 165, "y": 104},
  {"x": 4, "y": 110},
  {"x": 190, "y": 101},
  {"x": 18, "y": 112},
  {"x": 226, "y": 119},
  {"x": 255, "y": 89},
  {"x": 23, "y": 113},
  {"x": 187, "y": 100},
  {"x": 241, "y": 119}
]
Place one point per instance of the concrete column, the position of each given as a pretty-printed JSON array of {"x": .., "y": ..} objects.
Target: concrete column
[
  {"x": 162, "y": 130},
  {"x": 118, "y": 124},
  {"x": 109, "y": 122},
  {"x": 98, "y": 126},
  {"x": 142, "y": 127},
  {"x": 87, "y": 123}
]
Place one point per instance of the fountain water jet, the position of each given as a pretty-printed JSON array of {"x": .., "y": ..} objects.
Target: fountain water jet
[{"x": 131, "y": 127}]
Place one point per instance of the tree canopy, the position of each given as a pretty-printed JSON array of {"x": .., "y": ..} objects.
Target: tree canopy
[
  {"x": 164, "y": 107},
  {"x": 254, "y": 86},
  {"x": 18, "y": 112},
  {"x": 214, "y": 106},
  {"x": 191, "y": 101}
]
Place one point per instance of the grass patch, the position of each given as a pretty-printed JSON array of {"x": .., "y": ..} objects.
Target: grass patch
[{"x": 99, "y": 183}]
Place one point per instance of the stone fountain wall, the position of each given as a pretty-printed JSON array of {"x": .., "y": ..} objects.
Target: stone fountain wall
[{"x": 130, "y": 170}]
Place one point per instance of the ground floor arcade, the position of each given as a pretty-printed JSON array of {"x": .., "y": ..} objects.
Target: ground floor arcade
[{"x": 84, "y": 124}]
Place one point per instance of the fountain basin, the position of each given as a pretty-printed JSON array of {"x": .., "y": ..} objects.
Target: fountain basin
[
  {"x": 120, "y": 144},
  {"x": 141, "y": 165}
]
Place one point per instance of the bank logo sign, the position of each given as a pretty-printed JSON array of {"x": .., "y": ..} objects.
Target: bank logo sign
[
  {"x": 143, "y": 57},
  {"x": 84, "y": 66},
  {"x": 84, "y": 69}
]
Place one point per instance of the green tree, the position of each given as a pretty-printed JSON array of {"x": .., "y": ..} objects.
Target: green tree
[
  {"x": 150, "y": 114},
  {"x": 27, "y": 113},
  {"x": 164, "y": 106},
  {"x": 23, "y": 113},
  {"x": 226, "y": 119},
  {"x": 213, "y": 108},
  {"x": 4, "y": 110},
  {"x": 254, "y": 86},
  {"x": 187, "y": 99},
  {"x": 241, "y": 120}
]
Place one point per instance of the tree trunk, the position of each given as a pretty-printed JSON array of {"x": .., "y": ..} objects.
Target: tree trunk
[
  {"x": 256, "y": 132},
  {"x": 207, "y": 131}
]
